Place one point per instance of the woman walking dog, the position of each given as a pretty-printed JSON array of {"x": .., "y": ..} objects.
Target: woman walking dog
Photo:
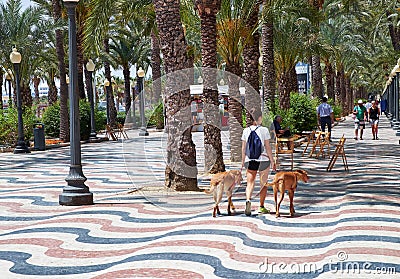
[{"x": 256, "y": 157}]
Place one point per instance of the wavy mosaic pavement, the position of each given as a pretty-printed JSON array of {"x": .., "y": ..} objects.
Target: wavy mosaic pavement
[{"x": 347, "y": 225}]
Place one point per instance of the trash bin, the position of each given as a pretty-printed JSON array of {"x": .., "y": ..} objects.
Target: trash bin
[{"x": 38, "y": 137}]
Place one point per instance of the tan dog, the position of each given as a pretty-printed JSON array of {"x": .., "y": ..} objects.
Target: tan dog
[
  {"x": 286, "y": 180},
  {"x": 224, "y": 182}
]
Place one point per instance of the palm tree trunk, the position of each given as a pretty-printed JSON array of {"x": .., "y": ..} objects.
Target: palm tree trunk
[
  {"x": 64, "y": 116},
  {"x": 349, "y": 98},
  {"x": 316, "y": 75},
  {"x": 235, "y": 112},
  {"x": 330, "y": 80},
  {"x": 156, "y": 66},
  {"x": 337, "y": 86},
  {"x": 316, "y": 71},
  {"x": 342, "y": 89},
  {"x": 394, "y": 31},
  {"x": 109, "y": 90},
  {"x": 251, "y": 55},
  {"x": 36, "y": 82},
  {"x": 26, "y": 96},
  {"x": 181, "y": 169},
  {"x": 284, "y": 90},
  {"x": 127, "y": 88},
  {"x": 268, "y": 67},
  {"x": 214, "y": 162},
  {"x": 52, "y": 96},
  {"x": 293, "y": 83}
]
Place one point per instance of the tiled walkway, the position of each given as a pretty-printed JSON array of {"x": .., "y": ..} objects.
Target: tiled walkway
[{"x": 347, "y": 225}]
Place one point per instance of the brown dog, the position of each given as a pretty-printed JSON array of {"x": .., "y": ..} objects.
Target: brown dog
[
  {"x": 286, "y": 180},
  {"x": 224, "y": 182}
]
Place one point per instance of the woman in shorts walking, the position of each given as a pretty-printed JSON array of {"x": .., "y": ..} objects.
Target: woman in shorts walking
[{"x": 373, "y": 116}]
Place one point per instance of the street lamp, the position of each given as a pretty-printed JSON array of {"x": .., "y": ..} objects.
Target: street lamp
[
  {"x": 76, "y": 192},
  {"x": 21, "y": 147},
  {"x": 106, "y": 84},
  {"x": 9, "y": 79},
  {"x": 90, "y": 68},
  {"x": 143, "y": 129}
]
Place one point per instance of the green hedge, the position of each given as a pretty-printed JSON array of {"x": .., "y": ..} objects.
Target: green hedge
[
  {"x": 155, "y": 117},
  {"x": 51, "y": 120},
  {"x": 302, "y": 115},
  {"x": 9, "y": 125}
]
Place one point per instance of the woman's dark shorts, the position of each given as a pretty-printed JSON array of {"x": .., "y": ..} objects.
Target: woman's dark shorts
[{"x": 257, "y": 165}]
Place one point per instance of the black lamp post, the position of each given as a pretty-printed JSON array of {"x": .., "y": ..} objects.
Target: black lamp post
[
  {"x": 9, "y": 78},
  {"x": 143, "y": 129},
  {"x": 90, "y": 68},
  {"x": 21, "y": 147},
  {"x": 106, "y": 84},
  {"x": 76, "y": 192}
]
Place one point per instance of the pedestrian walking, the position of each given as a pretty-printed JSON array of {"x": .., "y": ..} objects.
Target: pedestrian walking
[
  {"x": 360, "y": 113},
  {"x": 325, "y": 115},
  {"x": 373, "y": 116},
  {"x": 256, "y": 157}
]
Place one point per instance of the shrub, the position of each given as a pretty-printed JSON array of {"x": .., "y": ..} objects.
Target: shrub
[
  {"x": 121, "y": 115},
  {"x": 337, "y": 109},
  {"x": 84, "y": 117},
  {"x": 51, "y": 120},
  {"x": 100, "y": 117},
  {"x": 9, "y": 125},
  {"x": 302, "y": 115},
  {"x": 157, "y": 117}
]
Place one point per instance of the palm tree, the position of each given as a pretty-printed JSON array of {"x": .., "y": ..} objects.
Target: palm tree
[
  {"x": 293, "y": 41},
  {"x": 251, "y": 55},
  {"x": 62, "y": 72},
  {"x": 267, "y": 46},
  {"x": 233, "y": 36},
  {"x": 17, "y": 31},
  {"x": 156, "y": 66},
  {"x": 288, "y": 50},
  {"x": 316, "y": 71},
  {"x": 96, "y": 38},
  {"x": 207, "y": 10},
  {"x": 128, "y": 47},
  {"x": 181, "y": 169}
]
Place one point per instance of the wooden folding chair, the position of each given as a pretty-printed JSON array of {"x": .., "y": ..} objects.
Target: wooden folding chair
[
  {"x": 121, "y": 131},
  {"x": 321, "y": 140},
  {"x": 339, "y": 151},
  {"x": 324, "y": 142},
  {"x": 111, "y": 133},
  {"x": 284, "y": 146},
  {"x": 316, "y": 143},
  {"x": 310, "y": 140}
]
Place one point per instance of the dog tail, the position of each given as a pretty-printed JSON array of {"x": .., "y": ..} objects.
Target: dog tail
[{"x": 210, "y": 191}]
